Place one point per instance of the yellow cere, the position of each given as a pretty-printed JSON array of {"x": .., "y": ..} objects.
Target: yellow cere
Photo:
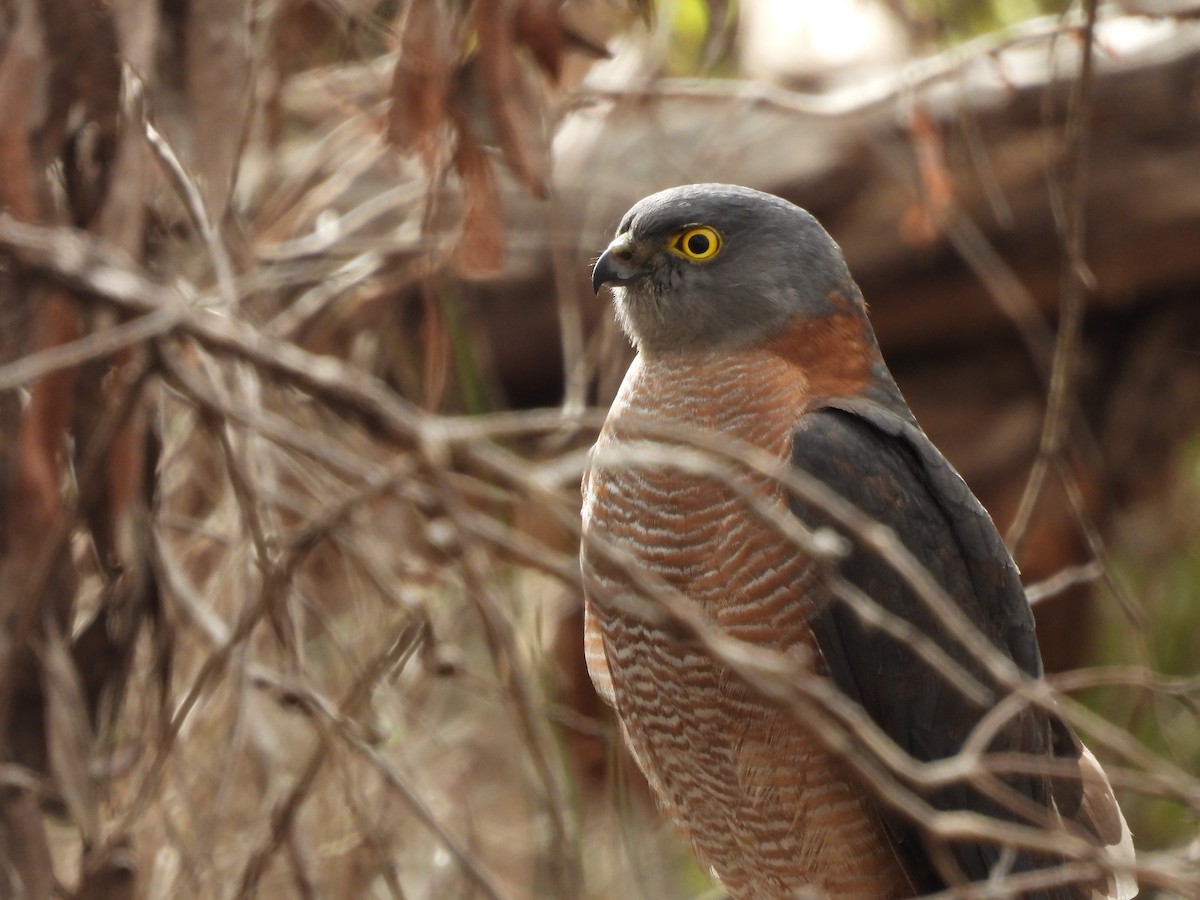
[{"x": 697, "y": 243}]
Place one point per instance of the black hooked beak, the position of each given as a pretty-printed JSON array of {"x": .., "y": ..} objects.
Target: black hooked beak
[{"x": 616, "y": 266}]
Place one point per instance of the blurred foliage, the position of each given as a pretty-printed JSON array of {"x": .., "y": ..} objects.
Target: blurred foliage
[
  {"x": 962, "y": 19},
  {"x": 1158, "y": 561},
  {"x": 697, "y": 27},
  {"x": 470, "y": 381},
  {"x": 700, "y": 36}
]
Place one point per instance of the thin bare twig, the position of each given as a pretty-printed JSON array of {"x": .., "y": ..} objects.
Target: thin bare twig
[
  {"x": 94, "y": 345},
  {"x": 1076, "y": 281},
  {"x": 1063, "y": 581}
]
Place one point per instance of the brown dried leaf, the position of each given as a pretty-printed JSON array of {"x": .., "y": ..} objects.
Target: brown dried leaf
[
  {"x": 435, "y": 344},
  {"x": 21, "y": 80},
  {"x": 511, "y": 98},
  {"x": 537, "y": 24},
  {"x": 47, "y": 416},
  {"x": 924, "y": 220},
  {"x": 587, "y": 29},
  {"x": 481, "y": 245},
  {"x": 644, "y": 9},
  {"x": 421, "y": 84}
]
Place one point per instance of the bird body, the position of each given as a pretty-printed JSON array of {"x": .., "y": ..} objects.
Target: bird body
[
  {"x": 752, "y": 789},
  {"x": 751, "y": 333}
]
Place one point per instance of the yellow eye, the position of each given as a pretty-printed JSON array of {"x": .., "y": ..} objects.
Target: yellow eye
[{"x": 697, "y": 243}]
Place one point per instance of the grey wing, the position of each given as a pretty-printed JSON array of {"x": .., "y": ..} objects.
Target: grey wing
[{"x": 881, "y": 462}]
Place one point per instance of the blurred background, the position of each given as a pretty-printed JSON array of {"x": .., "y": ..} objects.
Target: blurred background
[{"x": 299, "y": 364}]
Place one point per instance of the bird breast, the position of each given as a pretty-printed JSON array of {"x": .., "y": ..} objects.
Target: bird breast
[
  {"x": 694, "y": 531},
  {"x": 763, "y": 804}
]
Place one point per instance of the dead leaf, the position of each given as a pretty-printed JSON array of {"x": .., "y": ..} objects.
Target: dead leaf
[
  {"x": 512, "y": 100},
  {"x": 435, "y": 345},
  {"x": 924, "y": 220},
  {"x": 419, "y": 120},
  {"x": 20, "y": 87},
  {"x": 537, "y": 25},
  {"x": 42, "y": 439},
  {"x": 644, "y": 9},
  {"x": 481, "y": 244}
]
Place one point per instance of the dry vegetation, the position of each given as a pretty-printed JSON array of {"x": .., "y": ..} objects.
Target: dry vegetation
[{"x": 290, "y": 594}]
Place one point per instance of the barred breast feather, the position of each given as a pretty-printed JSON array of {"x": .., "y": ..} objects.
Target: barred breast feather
[{"x": 763, "y": 804}]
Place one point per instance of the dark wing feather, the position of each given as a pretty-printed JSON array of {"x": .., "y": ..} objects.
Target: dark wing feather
[{"x": 881, "y": 462}]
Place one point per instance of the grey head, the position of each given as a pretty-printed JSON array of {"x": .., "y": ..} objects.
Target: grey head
[{"x": 716, "y": 266}]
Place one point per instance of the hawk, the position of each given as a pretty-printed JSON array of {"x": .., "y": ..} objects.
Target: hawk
[{"x": 753, "y": 343}]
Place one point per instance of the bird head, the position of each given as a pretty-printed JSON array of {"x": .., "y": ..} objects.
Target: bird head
[{"x": 715, "y": 266}]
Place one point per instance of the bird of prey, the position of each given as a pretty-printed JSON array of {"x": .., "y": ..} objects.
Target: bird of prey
[{"x": 753, "y": 337}]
